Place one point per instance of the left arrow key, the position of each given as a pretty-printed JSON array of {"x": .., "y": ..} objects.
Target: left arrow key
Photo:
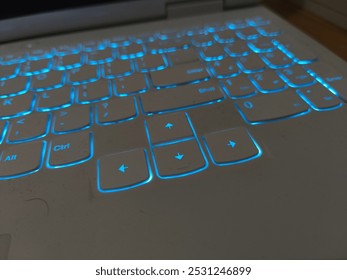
[{"x": 132, "y": 170}]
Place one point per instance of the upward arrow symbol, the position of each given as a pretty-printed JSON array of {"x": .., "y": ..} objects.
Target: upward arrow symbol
[
  {"x": 231, "y": 144},
  {"x": 169, "y": 125}
]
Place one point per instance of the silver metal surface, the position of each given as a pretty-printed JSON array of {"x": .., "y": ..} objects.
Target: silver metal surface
[{"x": 290, "y": 203}]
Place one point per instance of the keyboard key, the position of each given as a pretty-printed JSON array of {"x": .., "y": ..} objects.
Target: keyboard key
[
  {"x": 181, "y": 97},
  {"x": 151, "y": 62},
  {"x": 269, "y": 107},
  {"x": 237, "y": 48},
  {"x": 93, "y": 92},
  {"x": 94, "y": 45},
  {"x": 169, "y": 128},
  {"x": 224, "y": 68},
  {"x": 319, "y": 97},
  {"x": 329, "y": 77},
  {"x": 276, "y": 59},
  {"x": 117, "y": 109},
  {"x": 237, "y": 24},
  {"x": 15, "y": 86},
  {"x": 258, "y": 21},
  {"x": 261, "y": 45},
  {"x": 269, "y": 30},
  {"x": 131, "y": 51},
  {"x": 16, "y": 106},
  {"x": 202, "y": 40},
  {"x": 68, "y": 61},
  {"x": 133, "y": 84},
  {"x": 179, "y": 159},
  {"x": 100, "y": 56},
  {"x": 169, "y": 34},
  {"x": 13, "y": 57},
  {"x": 38, "y": 54},
  {"x": 67, "y": 49},
  {"x": 247, "y": 33},
  {"x": 143, "y": 38},
  {"x": 35, "y": 67},
  {"x": 54, "y": 99},
  {"x": 29, "y": 127},
  {"x": 214, "y": 52},
  {"x": 21, "y": 159},
  {"x": 239, "y": 86},
  {"x": 167, "y": 46},
  {"x": 9, "y": 71},
  {"x": 225, "y": 36},
  {"x": 124, "y": 170},
  {"x": 83, "y": 75},
  {"x": 296, "y": 76},
  {"x": 181, "y": 74},
  {"x": 231, "y": 146},
  {"x": 251, "y": 63},
  {"x": 215, "y": 26},
  {"x": 117, "y": 68},
  {"x": 70, "y": 149},
  {"x": 267, "y": 81},
  {"x": 299, "y": 53},
  {"x": 71, "y": 119},
  {"x": 183, "y": 56},
  {"x": 46, "y": 81},
  {"x": 118, "y": 41}
]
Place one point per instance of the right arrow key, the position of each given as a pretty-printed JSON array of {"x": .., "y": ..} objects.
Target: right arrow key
[{"x": 231, "y": 146}]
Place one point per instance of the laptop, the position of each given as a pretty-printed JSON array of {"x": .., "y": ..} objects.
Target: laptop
[{"x": 170, "y": 130}]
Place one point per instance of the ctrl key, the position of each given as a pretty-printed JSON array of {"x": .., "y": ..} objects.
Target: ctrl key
[
  {"x": 21, "y": 159},
  {"x": 123, "y": 171},
  {"x": 70, "y": 149}
]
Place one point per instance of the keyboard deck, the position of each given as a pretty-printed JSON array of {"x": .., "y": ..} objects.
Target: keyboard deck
[{"x": 53, "y": 100}]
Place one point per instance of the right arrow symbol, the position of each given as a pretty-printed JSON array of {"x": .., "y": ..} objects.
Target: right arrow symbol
[{"x": 231, "y": 144}]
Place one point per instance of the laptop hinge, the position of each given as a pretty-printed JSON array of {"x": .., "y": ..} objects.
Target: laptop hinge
[{"x": 190, "y": 8}]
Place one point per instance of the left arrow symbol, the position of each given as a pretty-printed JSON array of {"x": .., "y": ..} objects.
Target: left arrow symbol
[{"x": 123, "y": 168}]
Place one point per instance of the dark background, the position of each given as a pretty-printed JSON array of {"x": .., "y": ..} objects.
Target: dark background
[{"x": 17, "y": 8}]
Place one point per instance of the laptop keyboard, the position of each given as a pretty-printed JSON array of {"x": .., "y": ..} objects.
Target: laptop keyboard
[{"x": 52, "y": 99}]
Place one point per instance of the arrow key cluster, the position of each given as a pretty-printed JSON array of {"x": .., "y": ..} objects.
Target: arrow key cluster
[{"x": 175, "y": 148}]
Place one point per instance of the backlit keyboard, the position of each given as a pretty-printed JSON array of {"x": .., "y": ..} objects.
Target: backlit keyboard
[{"x": 52, "y": 100}]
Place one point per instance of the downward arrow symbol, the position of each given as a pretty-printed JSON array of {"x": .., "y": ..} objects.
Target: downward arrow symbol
[{"x": 179, "y": 156}]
